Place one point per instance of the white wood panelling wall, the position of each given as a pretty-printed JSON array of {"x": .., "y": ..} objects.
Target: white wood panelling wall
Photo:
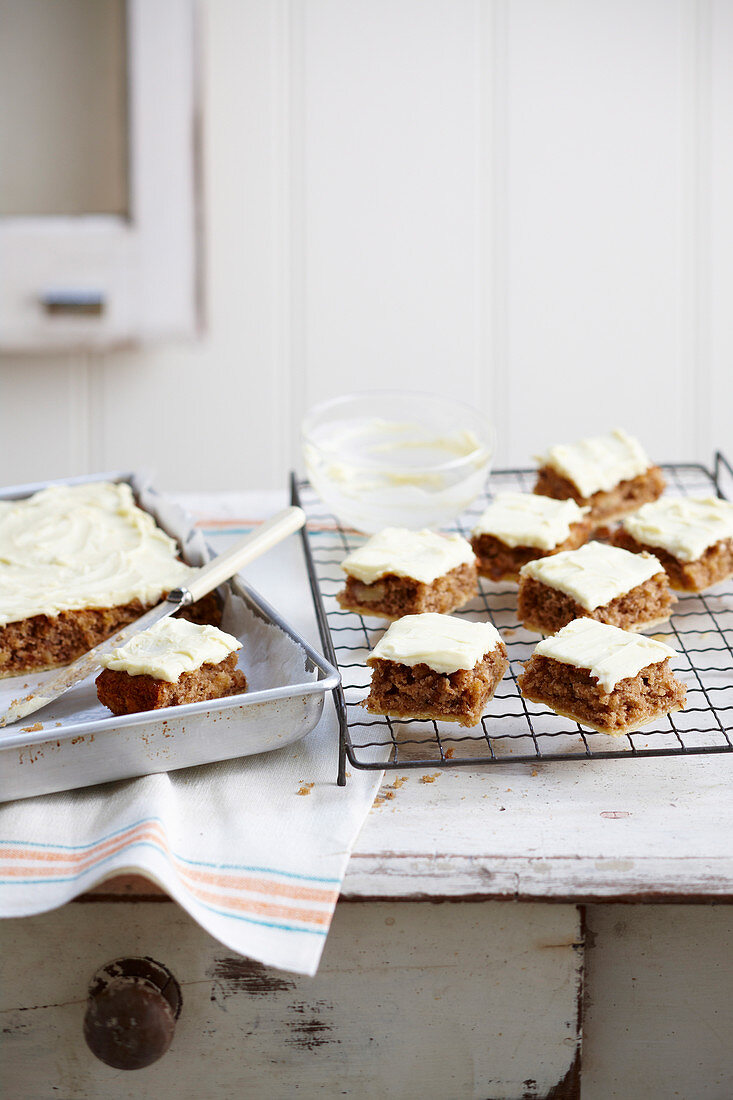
[
  {"x": 598, "y": 215},
  {"x": 716, "y": 220},
  {"x": 526, "y": 201}
]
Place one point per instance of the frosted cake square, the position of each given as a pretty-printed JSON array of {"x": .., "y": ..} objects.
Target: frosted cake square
[
  {"x": 436, "y": 666},
  {"x": 172, "y": 663},
  {"x": 610, "y": 474},
  {"x": 77, "y": 563},
  {"x": 519, "y": 527},
  {"x": 600, "y": 676},
  {"x": 598, "y": 582},
  {"x": 400, "y": 572},
  {"x": 692, "y": 537}
]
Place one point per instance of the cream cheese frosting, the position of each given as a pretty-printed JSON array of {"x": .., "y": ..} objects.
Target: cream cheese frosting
[
  {"x": 444, "y": 643},
  {"x": 610, "y": 654},
  {"x": 68, "y": 548},
  {"x": 526, "y": 519},
  {"x": 598, "y": 463},
  {"x": 169, "y": 648},
  {"x": 684, "y": 527},
  {"x": 593, "y": 575},
  {"x": 422, "y": 555}
]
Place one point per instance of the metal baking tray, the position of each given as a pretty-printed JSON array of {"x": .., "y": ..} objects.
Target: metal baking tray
[{"x": 80, "y": 743}]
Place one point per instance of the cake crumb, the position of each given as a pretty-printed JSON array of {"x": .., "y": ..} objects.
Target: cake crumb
[
  {"x": 32, "y": 729},
  {"x": 449, "y": 754},
  {"x": 429, "y": 778},
  {"x": 306, "y": 788},
  {"x": 379, "y": 801},
  {"x": 398, "y": 783},
  {"x": 534, "y": 772},
  {"x": 388, "y": 794}
]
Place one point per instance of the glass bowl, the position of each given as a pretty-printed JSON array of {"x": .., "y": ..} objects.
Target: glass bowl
[{"x": 395, "y": 458}]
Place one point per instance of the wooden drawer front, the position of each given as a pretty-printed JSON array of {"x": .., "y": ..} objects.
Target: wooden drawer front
[{"x": 465, "y": 999}]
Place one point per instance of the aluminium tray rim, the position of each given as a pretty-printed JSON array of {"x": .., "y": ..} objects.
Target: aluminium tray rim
[
  {"x": 328, "y": 678},
  {"x": 346, "y": 747},
  {"x": 187, "y": 710}
]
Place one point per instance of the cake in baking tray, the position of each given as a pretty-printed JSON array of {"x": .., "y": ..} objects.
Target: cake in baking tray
[
  {"x": 609, "y": 679},
  {"x": 692, "y": 537},
  {"x": 519, "y": 527},
  {"x": 172, "y": 663},
  {"x": 77, "y": 563},
  {"x": 400, "y": 572},
  {"x": 436, "y": 666},
  {"x": 598, "y": 582},
  {"x": 610, "y": 474}
]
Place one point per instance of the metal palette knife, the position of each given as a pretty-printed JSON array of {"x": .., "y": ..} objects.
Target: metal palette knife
[{"x": 202, "y": 582}]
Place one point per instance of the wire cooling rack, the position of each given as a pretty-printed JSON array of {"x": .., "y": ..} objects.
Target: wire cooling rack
[{"x": 514, "y": 730}]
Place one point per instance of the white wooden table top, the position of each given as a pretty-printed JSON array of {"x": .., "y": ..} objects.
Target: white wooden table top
[{"x": 644, "y": 829}]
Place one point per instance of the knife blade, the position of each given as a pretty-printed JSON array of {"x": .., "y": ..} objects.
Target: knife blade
[{"x": 214, "y": 573}]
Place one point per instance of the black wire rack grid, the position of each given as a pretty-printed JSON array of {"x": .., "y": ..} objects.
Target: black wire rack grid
[{"x": 513, "y": 730}]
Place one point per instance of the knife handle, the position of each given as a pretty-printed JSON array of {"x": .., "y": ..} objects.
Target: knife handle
[{"x": 225, "y": 565}]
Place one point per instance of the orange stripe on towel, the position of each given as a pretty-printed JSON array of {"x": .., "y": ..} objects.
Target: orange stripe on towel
[
  {"x": 144, "y": 831},
  {"x": 258, "y": 886},
  {"x": 59, "y": 862},
  {"x": 263, "y": 908},
  {"x": 224, "y": 901}
]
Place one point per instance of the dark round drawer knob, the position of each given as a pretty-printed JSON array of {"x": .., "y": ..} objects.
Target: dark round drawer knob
[{"x": 131, "y": 1012}]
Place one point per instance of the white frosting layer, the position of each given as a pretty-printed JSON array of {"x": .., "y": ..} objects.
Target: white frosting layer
[
  {"x": 608, "y": 653},
  {"x": 443, "y": 642},
  {"x": 171, "y": 647},
  {"x": 684, "y": 528},
  {"x": 599, "y": 463},
  {"x": 72, "y": 547},
  {"x": 526, "y": 519},
  {"x": 422, "y": 555},
  {"x": 593, "y": 575}
]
